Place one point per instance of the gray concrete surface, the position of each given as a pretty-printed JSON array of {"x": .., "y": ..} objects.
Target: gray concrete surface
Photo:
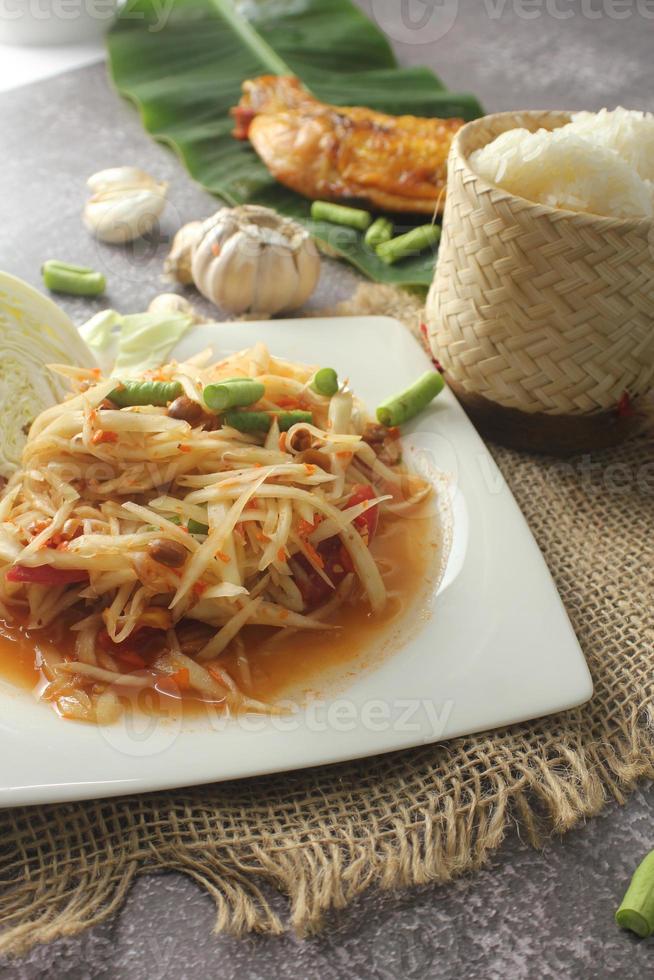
[{"x": 529, "y": 915}]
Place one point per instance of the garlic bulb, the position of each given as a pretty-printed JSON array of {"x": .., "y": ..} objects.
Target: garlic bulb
[
  {"x": 251, "y": 259},
  {"x": 174, "y": 303},
  {"x": 125, "y": 205},
  {"x": 178, "y": 262},
  {"x": 114, "y": 177}
]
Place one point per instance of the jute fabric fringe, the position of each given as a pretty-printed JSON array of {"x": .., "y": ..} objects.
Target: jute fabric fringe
[{"x": 322, "y": 836}]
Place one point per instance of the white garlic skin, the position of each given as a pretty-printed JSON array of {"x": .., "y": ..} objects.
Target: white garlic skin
[
  {"x": 126, "y": 204},
  {"x": 252, "y": 260},
  {"x": 174, "y": 303},
  {"x": 114, "y": 177},
  {"x": 177, "y": 265}
]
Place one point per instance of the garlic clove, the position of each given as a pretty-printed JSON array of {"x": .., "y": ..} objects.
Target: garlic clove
[
  {"x": 277, "y": 281},
  {"x": 115, "y": 177},
  {"x": 307, "y": 263},
  {"x": 177, "y": 265},
  {"x": 230, "y": 281},
  {"x": 124, "y": 214},
  {"x": 240, "y": 267},
  {"x": 219, "y": 228},
  {"x": 166, "y": 303}
]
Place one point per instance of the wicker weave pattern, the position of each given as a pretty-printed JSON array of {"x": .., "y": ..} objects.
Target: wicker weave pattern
[{"x": 536, "y": 308}]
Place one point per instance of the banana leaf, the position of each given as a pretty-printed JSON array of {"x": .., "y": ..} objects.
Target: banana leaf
[{"x": 183, "y": 68}]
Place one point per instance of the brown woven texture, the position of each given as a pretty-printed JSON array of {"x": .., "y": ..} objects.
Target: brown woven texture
[
  {"x": 533, "y": 307},
  {"x": 322, "y": 836}
]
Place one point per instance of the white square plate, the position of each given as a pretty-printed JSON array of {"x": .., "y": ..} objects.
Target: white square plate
[{"x": 497, "y": 648}]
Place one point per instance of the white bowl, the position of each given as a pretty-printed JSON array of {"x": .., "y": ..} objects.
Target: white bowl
[{"x": 55, "y": 21}]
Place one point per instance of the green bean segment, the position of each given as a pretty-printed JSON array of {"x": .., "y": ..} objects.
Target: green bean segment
[
  {"x": 409, "y": 403},
  {"x": 173, "y": 518},
  {"x": 380, "y": 231},
  {"x": 145, "y": 393},
  {"x": 77, "y": 280},
  {"x": 196, "y": 527},
  {"x": 261, "y": 421},
  {"x": 286, "y": 419},
  {"x": 636, "y": 911},
  {"x": 325, "y": 382},
  {"x": 193, "y": 527},
  {"x": 413, "y": 242},
  {"x": 232, "y": 394},
  {"x": 338, "y": 214}
]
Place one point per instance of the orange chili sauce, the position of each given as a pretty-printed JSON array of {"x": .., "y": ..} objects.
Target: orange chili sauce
[{"x": 303, "y": 663}]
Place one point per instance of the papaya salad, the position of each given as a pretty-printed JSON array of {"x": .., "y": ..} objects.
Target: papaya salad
[{"x": 154, "y": 521}]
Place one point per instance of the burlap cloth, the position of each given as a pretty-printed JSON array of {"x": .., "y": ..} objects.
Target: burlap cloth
[{"x": 322, "y": 836}]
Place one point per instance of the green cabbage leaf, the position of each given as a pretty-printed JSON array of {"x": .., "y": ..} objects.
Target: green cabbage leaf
[
  {"x": 34, "y": 333},
  {"x": 126, "y": 345}
]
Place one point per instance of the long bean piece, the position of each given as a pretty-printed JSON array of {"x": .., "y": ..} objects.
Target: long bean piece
[
  {"x": 261, "y": 421},
  {"x": 77, "y": 280},
  {"x": 339, "y": 214},
  {"x": 636, "y": 910},
  {"x": 325, "y": 382},
  {"x": 413, "y": 242},
  {"x": 400, "y": 408},
  {"x": 236, "y": 393},
  {"x": 145, "y": 393},
  {"x": 196, "y": 527},
  {"x": 380, "y": 231}
]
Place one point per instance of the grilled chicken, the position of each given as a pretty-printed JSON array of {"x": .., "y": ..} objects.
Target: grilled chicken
[{"x": 396, "y": 163}]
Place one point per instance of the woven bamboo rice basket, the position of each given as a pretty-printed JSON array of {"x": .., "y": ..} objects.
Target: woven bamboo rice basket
[{"x": 543, "y": 319}]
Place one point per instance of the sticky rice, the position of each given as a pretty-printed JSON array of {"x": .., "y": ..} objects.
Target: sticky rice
[{"x": 600, "y": 162}]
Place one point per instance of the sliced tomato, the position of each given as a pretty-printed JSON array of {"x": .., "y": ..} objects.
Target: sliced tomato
[
  {"x": 335, "y": 564},
  {"x": 366, "y": 522},
  {"x": 131, "y": 659},
  {"x": 138, "y": 649},
  {"x": 335, "y": 557},
  {"x": 46, "y": 575}
]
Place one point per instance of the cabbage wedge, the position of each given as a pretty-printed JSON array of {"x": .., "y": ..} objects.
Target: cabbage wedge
[{"x": 34, "y": 332}]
